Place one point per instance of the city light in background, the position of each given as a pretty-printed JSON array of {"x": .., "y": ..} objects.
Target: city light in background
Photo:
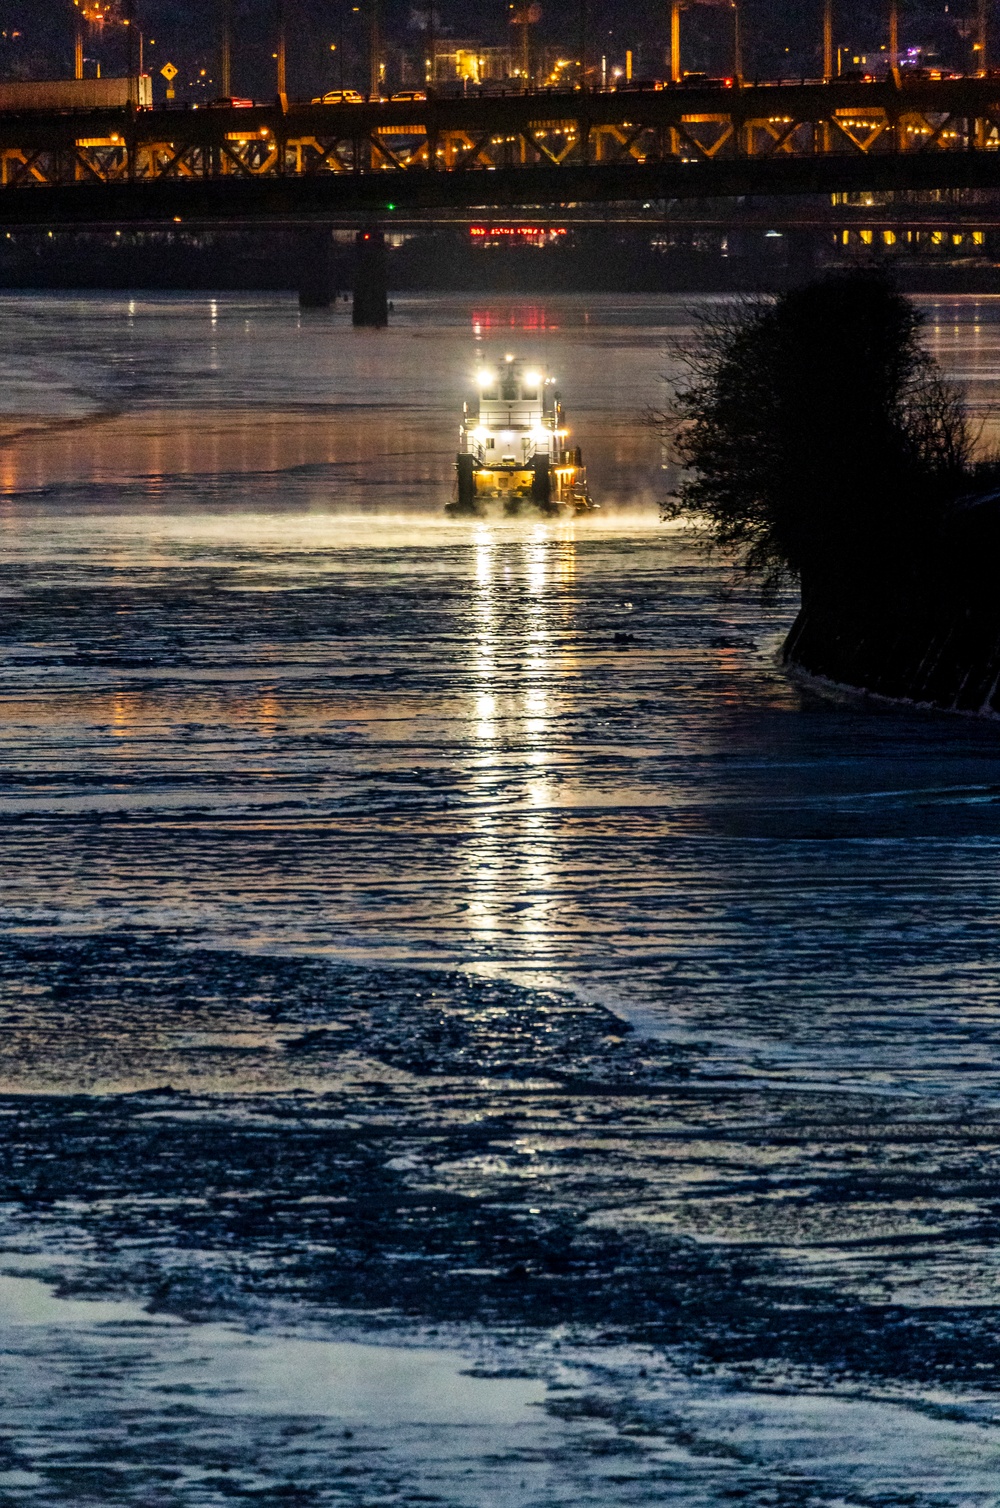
[{"x": 558, "y": 44}]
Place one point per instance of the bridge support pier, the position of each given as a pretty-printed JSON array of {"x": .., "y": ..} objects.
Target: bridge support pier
[
  {"x": 371, "y": 293},
  {"x": 800, "y": 254},
  {"x": 315, "y": 255}
]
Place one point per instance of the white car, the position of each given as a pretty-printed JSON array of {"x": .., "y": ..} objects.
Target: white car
[{"x": 340, "y": 97}]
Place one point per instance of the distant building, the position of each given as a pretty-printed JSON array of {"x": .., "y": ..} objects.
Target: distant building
[{"x": 469, "y": 60}]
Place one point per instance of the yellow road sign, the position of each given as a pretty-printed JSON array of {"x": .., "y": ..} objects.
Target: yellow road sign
[{"x": 169, "y": 72}]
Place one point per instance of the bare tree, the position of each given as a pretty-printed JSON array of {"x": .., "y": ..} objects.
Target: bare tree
[{"x": 820, "y": 440}]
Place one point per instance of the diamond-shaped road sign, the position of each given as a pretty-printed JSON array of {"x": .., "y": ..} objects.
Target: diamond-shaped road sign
[{"x": 169, "y": 72}]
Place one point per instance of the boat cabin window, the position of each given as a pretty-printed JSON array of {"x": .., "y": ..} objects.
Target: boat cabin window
[
  {"x": 529, "y": 390},
  {"x": 508, "y": 387}
]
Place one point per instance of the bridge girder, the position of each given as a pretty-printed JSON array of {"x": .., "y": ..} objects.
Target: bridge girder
[{"x": 521, "y": 149}]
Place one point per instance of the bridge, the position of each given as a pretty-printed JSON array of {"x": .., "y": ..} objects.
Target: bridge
[{"x": 298, "y": 161}]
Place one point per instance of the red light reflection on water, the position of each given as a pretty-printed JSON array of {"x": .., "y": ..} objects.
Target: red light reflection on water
[{"x": 523, "y": 317}]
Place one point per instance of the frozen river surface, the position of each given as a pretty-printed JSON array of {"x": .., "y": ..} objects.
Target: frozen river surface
[{"x": 473, "y": 1031}]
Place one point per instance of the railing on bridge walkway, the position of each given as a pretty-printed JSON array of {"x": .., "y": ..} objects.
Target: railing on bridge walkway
[{"x": 562, "y": 146}]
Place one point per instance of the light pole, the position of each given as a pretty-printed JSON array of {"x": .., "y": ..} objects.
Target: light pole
[
  {"x": 133, "y": 80},
  {"x": 737, "y": 44},
  {"x": 226, "y": 51},
  {"x": 828, "y": 41},
  {"x": 376, "y": 48},
  {"x": 894, "y": 37},
  {"x": 675, "y": 41},
  {"x": 282, "y": 76},
  {"x": 583, "y": 44},
  {"x": 983, "y": 37},
  {"x": 430, "y": 71}
]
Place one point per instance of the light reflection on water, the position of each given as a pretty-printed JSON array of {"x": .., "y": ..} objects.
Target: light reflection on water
[
  {"x": 552, "y": 750},
  {"x": 255, "y": 687}
]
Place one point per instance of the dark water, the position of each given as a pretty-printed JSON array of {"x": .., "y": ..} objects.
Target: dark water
[{"x": 342, "y": 845}]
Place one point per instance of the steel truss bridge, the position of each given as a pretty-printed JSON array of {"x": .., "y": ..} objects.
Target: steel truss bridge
[{"x": 534, "y": 148}]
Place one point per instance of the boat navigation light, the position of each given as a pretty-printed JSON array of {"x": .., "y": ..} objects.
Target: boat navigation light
[
  {"x": 485, "y": 377},
  {"x": 532, "y": 379},
  {"x": 508, "y": 358}
]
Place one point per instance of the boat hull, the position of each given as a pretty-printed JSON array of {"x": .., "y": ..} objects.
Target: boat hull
[{"x": 521, "y": 507}]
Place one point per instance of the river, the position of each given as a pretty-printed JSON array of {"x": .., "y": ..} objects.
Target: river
[{"x": 474, "y": 1030}]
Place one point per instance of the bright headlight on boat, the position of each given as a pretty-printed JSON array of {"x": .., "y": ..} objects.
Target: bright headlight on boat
[
  {"x": 540, "y": 436},
  {"x": 480, "y": 433},
  {"x": 484, "y": 377},
  {"x": 532, "y": 379}
]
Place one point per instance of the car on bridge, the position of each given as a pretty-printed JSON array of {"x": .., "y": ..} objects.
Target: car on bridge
[
  {"x": 701, "y": 81},
  {"x": 339, "y": 97}
]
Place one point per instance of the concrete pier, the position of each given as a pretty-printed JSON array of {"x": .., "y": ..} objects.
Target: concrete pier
[{"x": 371, "y": 301}]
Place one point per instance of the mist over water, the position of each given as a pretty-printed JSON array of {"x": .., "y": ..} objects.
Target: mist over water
[{"x": 322, "y": 809}]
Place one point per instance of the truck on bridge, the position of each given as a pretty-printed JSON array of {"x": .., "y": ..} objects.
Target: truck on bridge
[{"x": 76, "y": 94}]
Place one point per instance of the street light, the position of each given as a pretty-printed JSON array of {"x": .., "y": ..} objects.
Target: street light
[
  {"x": 583, "y": 44},
  {"x": 78, "y": 41},
  {"x": 128, "y": 20},
  {"x": 376, "y": 48},
  {"x": 226, "y": 50},
  {"x": 280, "y": 54}
]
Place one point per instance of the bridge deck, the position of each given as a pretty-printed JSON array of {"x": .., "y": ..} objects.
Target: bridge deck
[{"x": 530, "y": 148}]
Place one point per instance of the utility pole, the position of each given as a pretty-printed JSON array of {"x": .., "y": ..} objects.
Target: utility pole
[
  {"x": 983, "y": 36},
  {"x": 675, "y": 41},
  {"x": 431, "y": 68},
  {"x": 226, "y": 51},
  {"x": 132, "y": 68},
  {"x": 828, "y": 41},
  {"x": 737, "y": 44},
  {"x": 282, "y": 28},
  {"x": 376, "y": 49},
  {"x": 894, "y": 37},
  {"x": 583, "y": 44},
  {"x": 78, "y": 45}
]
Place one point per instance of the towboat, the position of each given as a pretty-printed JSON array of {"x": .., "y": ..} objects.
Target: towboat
[{"x": 513, "y": 452}]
